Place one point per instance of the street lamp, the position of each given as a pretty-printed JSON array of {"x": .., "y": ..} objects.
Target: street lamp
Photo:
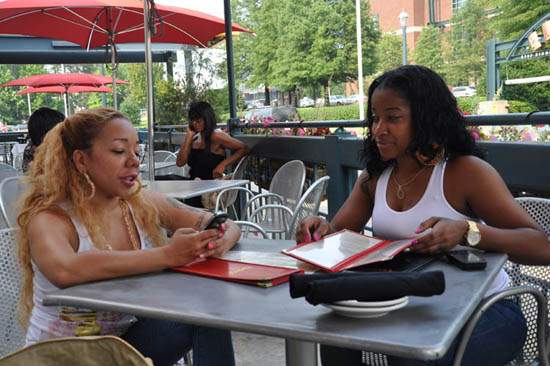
[{"x": 403, "y": 19}]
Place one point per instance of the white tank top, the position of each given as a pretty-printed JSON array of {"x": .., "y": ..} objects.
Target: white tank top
[
  {"x": 60, "y": 321},
  {"x": 390, "y": 224}
]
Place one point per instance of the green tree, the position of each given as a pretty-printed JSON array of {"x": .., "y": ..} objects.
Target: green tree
[
  {"x": 131, "y": 109},
  {"x": 534, "y": 93},
  {"x": 429, "y": 49},
  {"x": 516, "y": 16},
  {"x": 465, "y": 58},
  {"x": 389, "y": 52}
]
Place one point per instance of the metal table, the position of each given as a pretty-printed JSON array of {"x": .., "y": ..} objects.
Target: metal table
[
  {"x": 271, "y": 311},
  {"x": 185, "y": 189}
]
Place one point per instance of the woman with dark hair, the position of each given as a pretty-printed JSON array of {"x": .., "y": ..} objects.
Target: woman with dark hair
[
  {"x": 40, "y": 122},
  {"x": 422, "y": 179},
  {"x": 204, "y": 146}
]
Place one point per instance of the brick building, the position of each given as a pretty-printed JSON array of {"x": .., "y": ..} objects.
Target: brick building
[{"x": 421, "y": 13}]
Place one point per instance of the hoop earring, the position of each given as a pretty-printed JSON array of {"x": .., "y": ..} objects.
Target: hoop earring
[{"x": 92, "y": 186}]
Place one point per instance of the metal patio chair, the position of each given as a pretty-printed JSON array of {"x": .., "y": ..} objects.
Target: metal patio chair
[
  {"x": 12, "y": 335},
  {"x": 11, "y": 189},
  {"x": 226, "y": 198},
  {"x": 250, "y": 227},
  {"x": 307, "y": 205},
  {"x": 285, "y": 189},
  {"x": 530, "y": 287},
  {"x": 7, "y": 170}
]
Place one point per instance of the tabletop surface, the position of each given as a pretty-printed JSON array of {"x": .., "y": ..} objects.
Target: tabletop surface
[
  {"x": 184, "y": 189},
  {"x": 423, "y": 329}
]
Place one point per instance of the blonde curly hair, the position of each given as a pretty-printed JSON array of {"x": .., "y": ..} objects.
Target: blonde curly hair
[{"x": 53, "y": 178}]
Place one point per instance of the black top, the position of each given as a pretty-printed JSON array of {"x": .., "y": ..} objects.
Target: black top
[{"x": 203, "y": 162}]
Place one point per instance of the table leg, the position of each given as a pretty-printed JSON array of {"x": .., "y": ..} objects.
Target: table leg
[{"x": 299, "y": 353}]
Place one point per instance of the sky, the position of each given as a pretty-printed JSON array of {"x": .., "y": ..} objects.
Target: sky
[{"x": 214, "y": 7}]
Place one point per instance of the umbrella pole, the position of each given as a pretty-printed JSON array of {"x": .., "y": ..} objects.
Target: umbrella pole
[
  {"x": 149, "y": 77},
  {"x": 113, "y": 73},
  {"x": 66, "y": 102},
  {"x": 29, "y": 103}
]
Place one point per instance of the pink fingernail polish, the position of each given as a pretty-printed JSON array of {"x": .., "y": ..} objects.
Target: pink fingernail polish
[
  {"x": 316, "y": 236},
  {"x": 414, "y": 242},
  {"x": 222, "y": 226},
  {"x": 210, "y": 245},
  {"x": 220, "y": 234},
  {"x": 308, "y": 238},
  {"x": 201, "y": 256},
  {"x": 419, "y": 229}
]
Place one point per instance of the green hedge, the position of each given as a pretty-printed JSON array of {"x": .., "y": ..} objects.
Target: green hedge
[
  {"x": 470, "y": 105},
  {"x": 343, "y": 112}
]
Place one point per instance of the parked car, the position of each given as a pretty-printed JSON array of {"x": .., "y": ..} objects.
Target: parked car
[
  {"x": 339, "y": 100},
  {"x": 356, "y": 97},
  {"x": 306, "y": 102},
  {"x": 320, "y": 101},
  {"x": 464, "y": 91},
  {"x": 280, "y": 114}
]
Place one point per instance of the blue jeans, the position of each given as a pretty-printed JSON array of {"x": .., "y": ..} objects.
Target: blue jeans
[
  {"x": 497, "y": 338},
  {"x": 166, "y": 342}
]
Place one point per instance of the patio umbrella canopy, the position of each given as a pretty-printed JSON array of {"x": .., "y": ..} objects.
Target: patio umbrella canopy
[
  {"x": 64, "y": 84},
  {"x": 94, "y": 23}
]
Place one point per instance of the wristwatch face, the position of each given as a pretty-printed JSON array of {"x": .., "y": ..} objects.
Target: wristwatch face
[{"x": 474, "y": 237}]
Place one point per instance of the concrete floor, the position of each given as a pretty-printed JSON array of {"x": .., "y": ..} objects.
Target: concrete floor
[{"x": 258, "y": 350}]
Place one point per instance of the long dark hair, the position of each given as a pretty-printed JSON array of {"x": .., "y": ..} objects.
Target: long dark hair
[
  {"x": 201, "y": 109},
  {"x": 437, "y": 124}
]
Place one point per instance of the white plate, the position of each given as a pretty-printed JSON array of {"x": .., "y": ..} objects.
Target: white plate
[
  {"x": 361, "y": 312},
  {"x": 371, "y": 304}
]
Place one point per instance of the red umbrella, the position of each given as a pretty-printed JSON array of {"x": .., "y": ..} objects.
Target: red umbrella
[
  {"x": 93, "y": 23},
  {"x": 63, "y": 90},
  {"x": 63, "y": 82}
]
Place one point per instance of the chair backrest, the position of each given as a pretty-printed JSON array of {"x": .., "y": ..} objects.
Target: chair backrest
[
  {"x": 308, "y": 204},
  {"x": 288, "y": 182},
  {"x": 12, "y": 335},
  {"x": 88, "y": 350},
  {"x": 161, "y": 155},
  {"x": 238, "y": 173},
  {"x": 534, "y": 276},
  {"x": 248, "y": 226},
  {"x": 7, "y": 170},
  {"x": 10, "y": 190},
  {"x": 539, "y": 209}
]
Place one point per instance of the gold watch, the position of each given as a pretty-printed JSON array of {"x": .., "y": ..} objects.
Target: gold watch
[{"x": 473, "y": 236}]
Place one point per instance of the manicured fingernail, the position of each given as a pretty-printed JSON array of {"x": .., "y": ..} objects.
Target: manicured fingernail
[
  {"x": 414, "y": 242},
  {"x": 220, "y": 234},
  {"x": 201, "y": 256},
  {"x": 316, "y": 236},
  {"x": 222, "y": 226},
  {"x": 210, "y": 245},
  {"x": 308, "y": 238},
  {"x": 418, "y": 229}
]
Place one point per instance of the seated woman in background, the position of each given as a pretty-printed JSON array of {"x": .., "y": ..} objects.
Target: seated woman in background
[
  {"x": 204, "y": 146},
  {"x": 423, "y": 180},
  {"x": 40, "y": 122},
  {"x": 86, "y": 218}
]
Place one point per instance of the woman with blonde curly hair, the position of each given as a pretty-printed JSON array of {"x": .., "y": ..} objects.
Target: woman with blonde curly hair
[{"x": 86, "y": 218}]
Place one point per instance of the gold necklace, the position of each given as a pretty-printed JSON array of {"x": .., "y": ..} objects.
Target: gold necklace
[
  {"x": 126, "y": 214},
  {"x": 400, "y": 192}
]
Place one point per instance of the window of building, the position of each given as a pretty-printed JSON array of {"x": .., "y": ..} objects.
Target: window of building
[{"x": 456, "y": 4}]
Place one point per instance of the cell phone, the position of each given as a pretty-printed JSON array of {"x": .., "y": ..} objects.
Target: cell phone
[
  {"x": 466, "y": 260},
  {"x": 215, "y": 221}
]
